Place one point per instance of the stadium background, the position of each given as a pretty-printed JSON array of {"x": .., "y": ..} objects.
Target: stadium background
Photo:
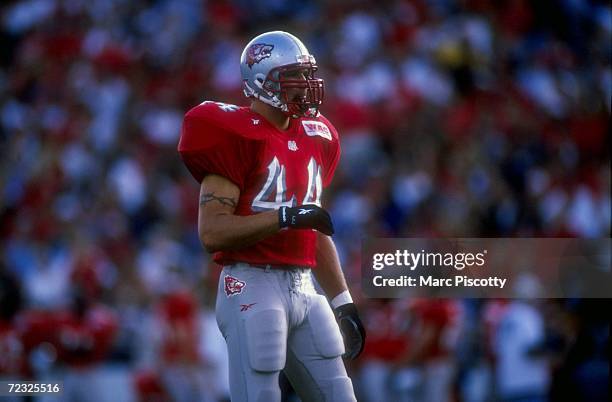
[{"x": 458, "y": 118}]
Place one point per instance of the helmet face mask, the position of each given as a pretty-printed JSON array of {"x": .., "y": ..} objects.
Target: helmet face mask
[
  {"x": 278, "y": 70},
  {"x": 297, "y": 88}
]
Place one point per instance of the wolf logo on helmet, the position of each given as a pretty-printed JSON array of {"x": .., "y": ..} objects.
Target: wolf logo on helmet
[{"x": 257, "y": 53}]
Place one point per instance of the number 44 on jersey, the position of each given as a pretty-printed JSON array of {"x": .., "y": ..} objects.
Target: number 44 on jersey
[{"x": 276, "y": 181}]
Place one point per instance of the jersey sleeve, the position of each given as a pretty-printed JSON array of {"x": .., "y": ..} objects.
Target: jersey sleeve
[
  {"x": 332, "y": 154},
  {"x": 207, "y": 147}
]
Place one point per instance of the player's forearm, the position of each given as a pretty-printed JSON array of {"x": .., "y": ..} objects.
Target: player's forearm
[
  {"x": 230, "y": 232},
  {"x": 328, "y": 271}
]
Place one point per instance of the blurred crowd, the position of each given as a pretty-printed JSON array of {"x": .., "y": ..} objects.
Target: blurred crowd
[{"x": 458, "y": 118}]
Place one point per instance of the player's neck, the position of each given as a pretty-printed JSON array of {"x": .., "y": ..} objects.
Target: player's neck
[{"x": 273, "y": 115}]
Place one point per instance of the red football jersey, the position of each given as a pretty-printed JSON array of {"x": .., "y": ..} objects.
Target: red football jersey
[
  {"x": 443, "y": 317},
  {"x": 180, "y": 331},
  {"x": 272, "y": 168},
  {"x": 85, "y": 341},
  {"x": 387, "y": 328}
]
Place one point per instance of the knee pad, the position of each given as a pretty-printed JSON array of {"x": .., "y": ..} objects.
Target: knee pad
[
  {"x": 341, "y": 390},
  {"x": 269, "y": 395},
  {"x": 266, "y": 340},
  {"x": 326, "y": 335}
]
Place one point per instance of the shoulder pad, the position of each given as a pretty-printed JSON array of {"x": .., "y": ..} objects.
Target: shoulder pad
[{"x": 210, "y": 122}]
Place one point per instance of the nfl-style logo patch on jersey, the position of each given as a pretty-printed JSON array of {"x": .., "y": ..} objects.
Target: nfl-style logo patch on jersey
[
  {"x": 233, "y": 286},
  {"x": 292, "y": 146},
  {"x": 313, "y": 127}
]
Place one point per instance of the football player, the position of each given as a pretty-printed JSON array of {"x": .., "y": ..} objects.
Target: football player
[{"x": 262, "y": 170}]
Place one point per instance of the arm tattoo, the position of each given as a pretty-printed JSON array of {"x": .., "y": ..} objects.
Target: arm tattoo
[{"x": 206, "y": 198}]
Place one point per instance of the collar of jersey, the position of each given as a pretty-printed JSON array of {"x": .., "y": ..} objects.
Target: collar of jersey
[{"x": 289, "y": 132}]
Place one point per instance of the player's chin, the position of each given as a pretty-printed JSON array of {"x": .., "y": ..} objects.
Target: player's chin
[{"x": 299, "y": 98}]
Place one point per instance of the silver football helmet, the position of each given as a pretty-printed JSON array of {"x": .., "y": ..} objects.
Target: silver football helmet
[{"x": 277, "y": 69}]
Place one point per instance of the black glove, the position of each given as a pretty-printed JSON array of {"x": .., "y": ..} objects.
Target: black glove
[
  {"x": 352, "y": 330},
  {"x": 306, "y": 217}
]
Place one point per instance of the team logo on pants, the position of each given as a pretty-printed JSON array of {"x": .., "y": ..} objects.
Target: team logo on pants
[{"x": 233, "y": 286}]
